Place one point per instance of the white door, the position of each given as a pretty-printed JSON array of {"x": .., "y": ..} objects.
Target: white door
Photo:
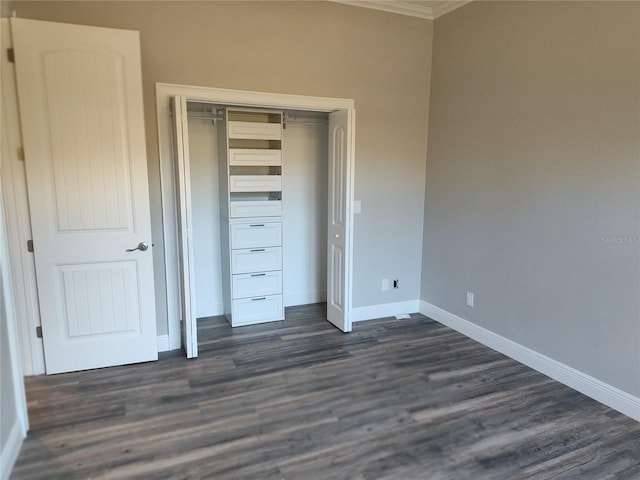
[
  {"x": 341, "y": 151},
  {"x": 80, "y": 96},
  {"x": 185, "y": 225}
]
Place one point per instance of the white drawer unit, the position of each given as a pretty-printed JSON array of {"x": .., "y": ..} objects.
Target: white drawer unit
[
  {"x": 256, "y": 234},
  {"x": 255, "y": 130},
  {"x": 255, "y": 208},
  {"x": 251, "y": 189},
  {"x": 253, "y": 260},
  {"x": 266, "y": 308},
  {"x": 257, "y": 284},
  {"x": 255, "y": 183},
  {"x": 248, "y": 157}
]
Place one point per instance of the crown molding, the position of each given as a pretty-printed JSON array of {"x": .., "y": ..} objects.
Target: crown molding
[
  {"x": 447, "y": 7},
  {"x": 412, "y": 9}
]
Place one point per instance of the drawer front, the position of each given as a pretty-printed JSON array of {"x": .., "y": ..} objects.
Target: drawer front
[
  {"x": 259, "y": 234},
  {"x": 255, "y": 130},
  {"x": 257, "y": 284},
  {"x": 257, "y": 309},
  {"x": 257, "y": 208},
  {"x": 256, "y": 260},
  {"x": 255, "y": 183},
  {"x": 252, "y": 157}
]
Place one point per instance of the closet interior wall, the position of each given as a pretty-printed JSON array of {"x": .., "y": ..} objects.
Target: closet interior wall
[{"x": 304, "y": 209}]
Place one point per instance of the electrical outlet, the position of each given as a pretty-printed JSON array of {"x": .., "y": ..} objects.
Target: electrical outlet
[
  {"x": 396, "y": 283},
  {"x": 469, "y": 299},
  {"x": 385, "y": 284}
]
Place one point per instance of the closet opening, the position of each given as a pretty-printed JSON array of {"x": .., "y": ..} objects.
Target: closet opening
[
  {"x": 262, "y": 193},
  {"x": 300, "y": 205}
]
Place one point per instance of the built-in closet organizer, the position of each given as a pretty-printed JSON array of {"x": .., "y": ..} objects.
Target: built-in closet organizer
[
  {"x": 272, "y": 213},
  {"x": 251, "y": 215}
]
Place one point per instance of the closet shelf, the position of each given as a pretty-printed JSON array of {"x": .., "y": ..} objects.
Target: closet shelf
[
  {"x": 255, "y": 183},
  {"x": 255, "y": 131},
  {"x": 254, "y": 157},
  {"x": 255, "y": 208}
]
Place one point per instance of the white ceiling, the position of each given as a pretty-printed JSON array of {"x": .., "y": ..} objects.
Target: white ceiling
[{"x": 429, "y": 9}]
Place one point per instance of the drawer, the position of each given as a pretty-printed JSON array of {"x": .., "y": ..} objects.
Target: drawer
[
  {"x": 256, "y": 260},
  {"x": 257, "y": 310},
  {"x": 251, "y": 157},
  {"x": 259, "y": 234},
  {"x": 257, "y": 284},
  {"x": 255, "y": 183},
  {"x": 255, "y": 130},
  {"x": 255, "y": 208}
]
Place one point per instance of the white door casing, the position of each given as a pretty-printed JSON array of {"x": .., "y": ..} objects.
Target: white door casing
[
  {"x": 16, "y": 205},
  {"x": 339, "y": 221},
  {"x": 185, "y": 227},
  {"x": 80, "y": 95},
  {"x": 241, "y": 98}
]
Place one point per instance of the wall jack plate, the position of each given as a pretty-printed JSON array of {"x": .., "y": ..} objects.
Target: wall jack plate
[{"x": 469, "y": 299}]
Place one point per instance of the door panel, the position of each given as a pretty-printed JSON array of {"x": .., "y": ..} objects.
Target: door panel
[
  {"x": 85, "y": 109},
  {"x": 185, "y": 226},
  {"x": 340, "y": 195},
  {"x": 80, "y": 95}
]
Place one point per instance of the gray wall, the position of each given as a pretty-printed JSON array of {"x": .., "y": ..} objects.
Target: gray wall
[
  {"x": 311, "y": 48},
  {"x": 10, "y": 410},
  {"x": 8, "y": 407},
  {"x": 532, "y": 183}
]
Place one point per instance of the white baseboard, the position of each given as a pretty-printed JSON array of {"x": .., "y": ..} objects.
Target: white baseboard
[
  {"x": 163, "y": 343},
  {"x": 210, "y": 310},
  {"x": 11, "y": 449},
  {"x": 360, "y": 314},
  {"x": 602, "y": 392},
  {"x": 304, "y": 298}
]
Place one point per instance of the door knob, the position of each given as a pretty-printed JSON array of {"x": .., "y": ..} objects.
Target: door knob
[
  {"x": 142, "y": 246},
  {"x": 337, "y": 235}
]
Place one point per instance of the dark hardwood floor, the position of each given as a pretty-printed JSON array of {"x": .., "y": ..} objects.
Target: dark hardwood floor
[{"x": 394, "y": 399}]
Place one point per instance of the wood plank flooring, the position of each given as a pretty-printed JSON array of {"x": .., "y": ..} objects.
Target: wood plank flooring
[{"x": 394, "y": 399}]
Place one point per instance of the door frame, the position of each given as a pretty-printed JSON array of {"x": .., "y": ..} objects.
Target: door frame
[
  {"x": 18, "y": 220},
  {"x": 245, "y": 98}
]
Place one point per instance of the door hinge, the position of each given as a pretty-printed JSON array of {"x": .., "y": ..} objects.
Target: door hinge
[
  {"x": 11, "y": 55},
  {"x": 30, "y": 246},
  {"x": 38, "y": 332},
  {"x": 21, "y": 154}
]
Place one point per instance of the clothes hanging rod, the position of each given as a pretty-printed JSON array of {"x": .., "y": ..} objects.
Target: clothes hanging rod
[{"x": 200, "y": 116}]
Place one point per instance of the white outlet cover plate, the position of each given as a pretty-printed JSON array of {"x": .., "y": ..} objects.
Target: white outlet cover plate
[
  {"x": 470, "y": 299},
  {"x": 357, "y": 206}
]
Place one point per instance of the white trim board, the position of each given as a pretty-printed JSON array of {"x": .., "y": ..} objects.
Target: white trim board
[
  {"x": 361, "y": 314},
  {"x": 292, "y": 299},
  {"x": 209, "y": 310},
  {"x": 163, "y": 343},
  {"x": 11, "y": 450},
  {"x": 598, "y": 390},
  {"x": 18, "y": 221}
]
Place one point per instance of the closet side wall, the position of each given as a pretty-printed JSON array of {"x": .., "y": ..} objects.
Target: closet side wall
[
  {"x": 205, "y": 212},
  {"x": 304, "y": 205}
]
